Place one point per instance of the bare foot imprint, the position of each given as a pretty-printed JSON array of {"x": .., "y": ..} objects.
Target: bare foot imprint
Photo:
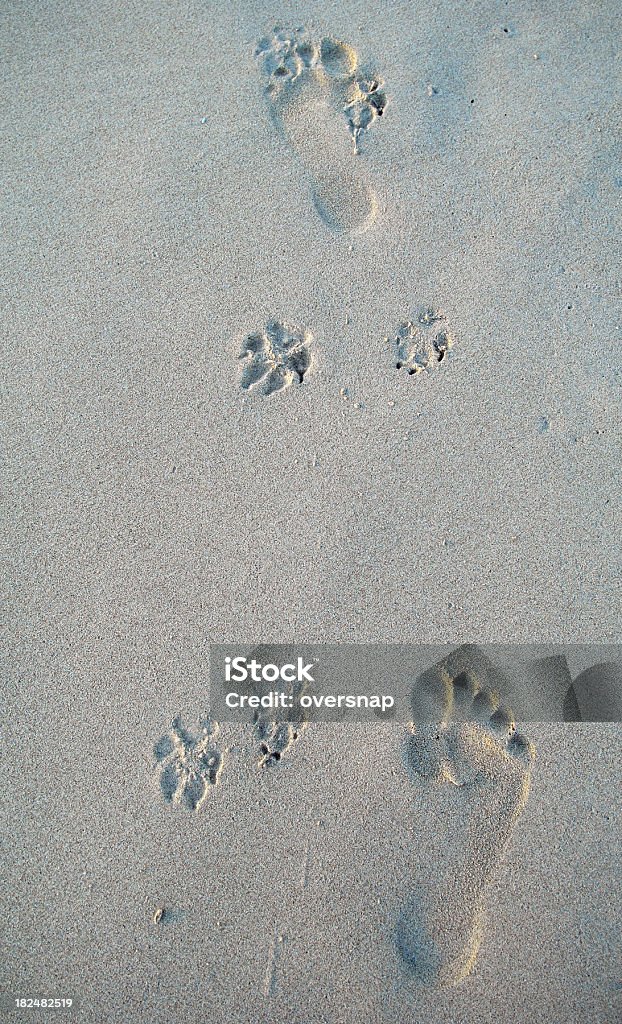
[
  {"x": 323, "y": 105},
  {"x": 595, "y": 695},
  {"x": 475, "y": 770}
]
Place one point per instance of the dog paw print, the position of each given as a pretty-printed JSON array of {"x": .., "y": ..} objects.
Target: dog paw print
[
  {"x": 189, "y": 764},
  {"x": 422, "y": 344},
  {"x": 275, "y": 738},
  {"x": 275, "y": 357},
  {"x": 284, "y": 55},
  {"x": 367, "y": 102}
]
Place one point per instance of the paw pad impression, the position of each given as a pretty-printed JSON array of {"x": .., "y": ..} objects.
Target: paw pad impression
[{"x": 276, "y": 357}]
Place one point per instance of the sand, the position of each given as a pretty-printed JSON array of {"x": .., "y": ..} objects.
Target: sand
[{"x": 171, "y": 484}]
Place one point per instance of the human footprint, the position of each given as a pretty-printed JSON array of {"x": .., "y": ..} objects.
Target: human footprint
[
  {"x": 474, "y": 770},
  {"x": 323, "y": 104}
]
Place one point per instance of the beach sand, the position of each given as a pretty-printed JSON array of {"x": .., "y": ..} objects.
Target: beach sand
[{"x": 207, "y": 293}]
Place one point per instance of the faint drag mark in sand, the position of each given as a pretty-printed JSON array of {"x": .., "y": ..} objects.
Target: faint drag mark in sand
[
  {"x": 476, "y": 769},
  {"x": 189, "y": 765},
  {"x": 323, "y": 105},
  {"x": 306, "y": 863},
  {"x": 270, "y": 979},
  {"x": 422, "y": 343},
  {"x": 276, "y": 357}
]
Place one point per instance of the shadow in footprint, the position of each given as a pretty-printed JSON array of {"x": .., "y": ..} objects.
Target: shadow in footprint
[
  {"x": 595, "y": 695},
  {"x": 438, "y": 940}
]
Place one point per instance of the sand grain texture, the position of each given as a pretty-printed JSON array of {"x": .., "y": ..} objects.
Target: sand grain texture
[{"x": 159, "y": 210}]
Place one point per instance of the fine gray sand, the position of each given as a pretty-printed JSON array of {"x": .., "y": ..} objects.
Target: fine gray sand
[{"x": 311, "y": 319}]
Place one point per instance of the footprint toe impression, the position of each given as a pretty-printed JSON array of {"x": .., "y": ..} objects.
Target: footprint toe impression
[{"x": 345, "y": 204}]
